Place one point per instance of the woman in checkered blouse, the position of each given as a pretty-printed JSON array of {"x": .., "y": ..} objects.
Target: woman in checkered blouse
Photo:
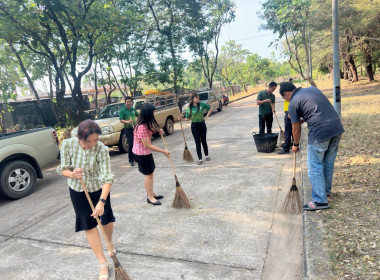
[
  {"x": 86, "y": 157},
  {"x": 142, "y": 148}
]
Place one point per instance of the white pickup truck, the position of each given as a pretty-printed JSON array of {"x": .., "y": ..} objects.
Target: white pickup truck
[
  {"x": 166, "y": 113},
  {"x": 23, "y": 155}
]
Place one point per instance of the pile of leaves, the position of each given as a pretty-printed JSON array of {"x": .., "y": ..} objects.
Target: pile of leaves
[{"x": 352, "y": 223}]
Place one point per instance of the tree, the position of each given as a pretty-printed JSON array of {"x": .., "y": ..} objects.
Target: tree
[
  {"x": 205, "y": 21},
  {"x": 289, "y": 19},
  {"x": 167, "y": 16},
  {"x": 65, "y": 34}
]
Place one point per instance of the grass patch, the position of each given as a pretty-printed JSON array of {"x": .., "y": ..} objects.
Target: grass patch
[{"x": 352, "y": 224}]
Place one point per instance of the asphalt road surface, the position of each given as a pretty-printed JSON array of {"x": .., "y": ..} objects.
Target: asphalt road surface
[{"x": 233, "y": 231}]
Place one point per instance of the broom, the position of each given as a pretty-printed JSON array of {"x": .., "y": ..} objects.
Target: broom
[
  {"x": 180, "y": 198},
  {"x": 120, "y": 273},
  {"x": 292, "y": 204},
  {"x": 282, "y": 134},
  {"x": 186, "y": 153}
]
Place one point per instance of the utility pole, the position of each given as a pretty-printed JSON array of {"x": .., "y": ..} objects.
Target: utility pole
[
  {"x": 310, "y": 60},
  {"x": 336, "y": 62}
]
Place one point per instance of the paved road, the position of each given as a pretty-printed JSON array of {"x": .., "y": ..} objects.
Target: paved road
[{"x": 232, "y": 231}]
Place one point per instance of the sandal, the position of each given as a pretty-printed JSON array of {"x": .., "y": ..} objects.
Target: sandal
[
  {"x": 208, "y": 158},
  {"x": 104, "y": 276},
  {"x": 199, "y": 162},
  {"x": 311, "y": 206}
]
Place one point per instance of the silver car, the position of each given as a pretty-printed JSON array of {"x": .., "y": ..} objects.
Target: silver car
[{"x": 209, "y": 97}]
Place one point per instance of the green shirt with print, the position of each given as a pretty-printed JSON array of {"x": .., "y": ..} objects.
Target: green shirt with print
[
  {"x": 128, "y": 114},
  {"x": 197, "y": 116},
  {"x": 265, "y": 108}
]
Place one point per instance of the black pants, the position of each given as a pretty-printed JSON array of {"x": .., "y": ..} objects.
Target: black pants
[
  {"x": 288, "y": 133},
  {"x": 129, "y": 136},
  {"x": 199, "y": 131},
  {"x": 267, "y": 120}
]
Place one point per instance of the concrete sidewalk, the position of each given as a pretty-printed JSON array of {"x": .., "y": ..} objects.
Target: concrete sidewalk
[{"x": 233, "y": 231}]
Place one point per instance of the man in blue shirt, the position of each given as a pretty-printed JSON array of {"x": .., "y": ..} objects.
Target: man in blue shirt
[{"x": 325, "y": 130}]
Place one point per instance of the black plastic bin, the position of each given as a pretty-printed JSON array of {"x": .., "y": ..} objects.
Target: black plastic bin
[{"x": 265, "y": 142}]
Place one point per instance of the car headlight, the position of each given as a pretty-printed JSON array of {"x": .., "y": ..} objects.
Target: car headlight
[{"x": 107, "y": 129}]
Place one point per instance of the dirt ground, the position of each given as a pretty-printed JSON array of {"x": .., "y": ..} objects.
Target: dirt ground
[{"x": 352, "y": 223}]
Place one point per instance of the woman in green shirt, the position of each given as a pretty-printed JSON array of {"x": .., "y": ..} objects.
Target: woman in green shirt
[
  {"x": 198, "y": 126},
  {"x": 85, "y": 157}
]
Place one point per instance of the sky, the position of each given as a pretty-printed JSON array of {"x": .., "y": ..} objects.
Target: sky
[{"x": 245, "y": 30}]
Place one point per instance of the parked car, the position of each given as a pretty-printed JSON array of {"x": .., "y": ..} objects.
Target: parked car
[
  {"x": 167, "y": 111},
  {"x": 209, "y": 97},
  {"x": 23, "y": 155}
]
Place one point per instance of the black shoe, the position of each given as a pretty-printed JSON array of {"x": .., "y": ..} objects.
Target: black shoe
[
  {"x": 281, "y": 152},
  {"x": 154, "y": 203},
  {"x": 159, "y": 197},
  {"x": 132, "y": 163}
]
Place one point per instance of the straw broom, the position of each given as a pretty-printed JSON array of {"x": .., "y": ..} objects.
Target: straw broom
[
  {"x": 292, "y": 204},
  {"x": 120, "y": 273},
  {"x": 186, "y": 153},
  {"x": 180, "y": 198},
  {"x": 282, "y": 134}
]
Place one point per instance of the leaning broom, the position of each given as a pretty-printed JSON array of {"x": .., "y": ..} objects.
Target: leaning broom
[
  {"x": 186, "y": 153},
  {"x": 120, "y": 273},
  {"x": 180, "y": 198},
  {"x": 292, "y": 204}
]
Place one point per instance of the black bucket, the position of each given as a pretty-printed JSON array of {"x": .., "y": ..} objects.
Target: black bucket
[{"x": 265, "y": 142}]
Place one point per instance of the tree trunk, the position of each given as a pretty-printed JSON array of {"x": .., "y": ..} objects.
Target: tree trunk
[
  {"x": 368, "y": 66},
  {"x": 30, "y": 82},
  {"x": 352, "y": 67},
  {"x": 51, "y": 94},
  {"x": 345, "y": 70}
]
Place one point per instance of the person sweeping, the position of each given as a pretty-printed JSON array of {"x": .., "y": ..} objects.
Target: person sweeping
[
  {"x": 85, "y": 158},
  {"x": 142, "y": 148},
  {"x": 198, "y": 126}
]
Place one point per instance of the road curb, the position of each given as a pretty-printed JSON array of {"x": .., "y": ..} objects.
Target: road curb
[
  {"x": 240, "y": 98},
  {"x": 316, "y": 257}
]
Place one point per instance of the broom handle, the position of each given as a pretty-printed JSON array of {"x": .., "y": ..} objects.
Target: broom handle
[
  {"x": 183, "y": 133},
  {"x": 294, "y": 165},
  {"x": 276, "y": 118},
  {"x": 170, "y": 157},
  {"x": 109, "y": 247}
]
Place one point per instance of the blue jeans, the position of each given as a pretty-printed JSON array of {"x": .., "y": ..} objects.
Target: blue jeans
[{"x": 320, "y": 162}]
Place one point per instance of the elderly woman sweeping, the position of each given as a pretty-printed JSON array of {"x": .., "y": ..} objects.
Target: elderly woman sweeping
[{"x": 85, "y": 157}]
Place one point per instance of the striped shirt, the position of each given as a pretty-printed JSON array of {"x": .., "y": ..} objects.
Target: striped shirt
[
  {"x": 141, "y": 132},
  {"x": 95, "y": 163}
]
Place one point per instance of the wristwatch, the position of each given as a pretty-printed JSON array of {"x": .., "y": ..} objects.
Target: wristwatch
[
  {"x": 103, "y": 200},
  {"x": 296, "y": 145}
]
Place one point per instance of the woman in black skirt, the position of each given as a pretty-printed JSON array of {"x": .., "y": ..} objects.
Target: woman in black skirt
[
  {"x": 86, "y": 157},
  {"x": 142, "y": 148}
]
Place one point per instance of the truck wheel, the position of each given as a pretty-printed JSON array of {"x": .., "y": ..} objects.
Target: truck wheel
[
  {"x": 220, "y": 106},
  {"x": 123, "y": 143},
  {"x": 18, "y": 179},
  {"x": 169, "y": 126}
]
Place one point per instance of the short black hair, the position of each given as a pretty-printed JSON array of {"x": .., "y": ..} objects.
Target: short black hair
[
  {"x": 128, "y": 98},
  {"x": 285, "y": 87},
  {"x": 272, "y": 84},
  {"x": 290, "y": 79},
  {"x": 86, "y": 128}
]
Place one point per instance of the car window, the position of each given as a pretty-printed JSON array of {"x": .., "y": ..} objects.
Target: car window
[
  {"x": 110, "y": 111},
  {"x": 139, "y": 104},
  {"x": 203, "y": 96}
]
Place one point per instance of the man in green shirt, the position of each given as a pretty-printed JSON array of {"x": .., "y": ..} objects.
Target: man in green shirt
[
  {"x": 266, "y": 101},
  {"x": 128, "y": 116}
]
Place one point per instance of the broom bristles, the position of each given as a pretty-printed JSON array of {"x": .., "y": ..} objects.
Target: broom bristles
[
  {"x": 180, "y": 198},
  {"x": 292, "y": 204},
  {"x": 187, "y": 155},
  {"x": 120, "y": 273},
  {"x": 282, "y": 136}
]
